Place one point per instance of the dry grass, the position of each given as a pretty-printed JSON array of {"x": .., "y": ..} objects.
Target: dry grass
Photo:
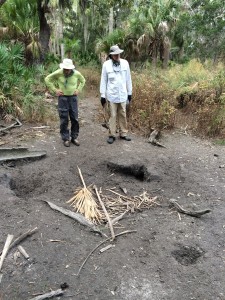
[{"x": 190, "y": 95}]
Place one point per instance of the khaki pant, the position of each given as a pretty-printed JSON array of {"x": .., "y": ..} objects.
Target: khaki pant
[{"x": 118, "y": 114}]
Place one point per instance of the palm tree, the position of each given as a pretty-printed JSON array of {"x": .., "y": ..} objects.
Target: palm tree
[
  {"x": 154, "y": 22},
  {"x": 22, "y": 22}
]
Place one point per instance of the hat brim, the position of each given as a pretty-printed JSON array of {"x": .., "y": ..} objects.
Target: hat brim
[
  {"x": 62, "y": 66},
  {"x": 116, "y": 52}
]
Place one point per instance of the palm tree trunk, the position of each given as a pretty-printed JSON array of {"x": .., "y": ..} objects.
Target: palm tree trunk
[
  {"x": 166, "y": 52},
  {"x": 44, "y": 33}
]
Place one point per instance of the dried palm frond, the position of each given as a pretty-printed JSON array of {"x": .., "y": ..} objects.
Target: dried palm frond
[{"x": 84, "y": 203}]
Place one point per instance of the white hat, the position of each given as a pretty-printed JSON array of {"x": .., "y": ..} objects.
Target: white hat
[
  {"x": 67, "y": 64},
  {"x": 114, "y": 50}
]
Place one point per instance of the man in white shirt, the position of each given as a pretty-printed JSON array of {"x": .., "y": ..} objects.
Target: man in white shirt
[{"x": 116, "y": 87}]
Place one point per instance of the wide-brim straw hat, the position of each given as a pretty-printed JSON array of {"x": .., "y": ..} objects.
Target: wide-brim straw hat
[
  {"x": 114, "y": 50},
  {"x": 67, "y": 64}
]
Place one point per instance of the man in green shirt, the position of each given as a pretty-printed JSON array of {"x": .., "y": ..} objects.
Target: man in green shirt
[{"x": 67, "y": 83}]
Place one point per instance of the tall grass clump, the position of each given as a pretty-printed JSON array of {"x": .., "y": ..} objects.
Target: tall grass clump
[
  {"x": 200, "y": 92},
  {"x": 153, "y": 104}
]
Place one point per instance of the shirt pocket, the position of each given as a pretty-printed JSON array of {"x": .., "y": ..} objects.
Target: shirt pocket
[{"x": 111, "y": 77}]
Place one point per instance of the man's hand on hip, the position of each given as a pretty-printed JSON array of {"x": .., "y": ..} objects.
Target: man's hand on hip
[
  {"x": 76, "y": 93},
  {"x": 59, "y": 93}
]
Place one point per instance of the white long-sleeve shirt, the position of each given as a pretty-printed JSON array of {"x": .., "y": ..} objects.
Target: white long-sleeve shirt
[{"x": 116, "y": 82}]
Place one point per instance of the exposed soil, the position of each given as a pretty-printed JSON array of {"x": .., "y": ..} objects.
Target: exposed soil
[{"x": 171, "y": 256}]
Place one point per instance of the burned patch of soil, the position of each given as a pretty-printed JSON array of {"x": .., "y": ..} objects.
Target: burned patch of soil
[
  {"x": 187, "y": 255},
  {"x": 136, "y": 170}
]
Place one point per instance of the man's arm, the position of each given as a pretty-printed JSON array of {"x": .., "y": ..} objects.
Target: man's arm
[
  {"x": 129, "y": 81},
  {"x": 103, "y": 83},
  {"x": 81, "y": 82},
  {"x": 49, "y": 81}
]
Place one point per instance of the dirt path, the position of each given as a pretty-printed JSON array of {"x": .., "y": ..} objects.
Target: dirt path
[{"x": 170, "y": 257}]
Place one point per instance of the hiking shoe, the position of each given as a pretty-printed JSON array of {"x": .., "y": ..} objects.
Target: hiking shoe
[
  {"x": 66, "y": 143},
  {"x": 126, "y": 138},
  {"x": 75, "y": 142},
  {"x": 111, "y": 139}
]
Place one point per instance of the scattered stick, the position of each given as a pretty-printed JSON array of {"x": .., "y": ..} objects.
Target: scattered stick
[
  {"x": 6, "y": 248},
  {"x": 122, "y": 196},
  {"x": 119, "y": 217},
  {"x": 196, "y": 214},
  {"x": 49, "y": 295},
  {"x": 106, "y": 213},
  {"x": 23, "y": 252},
  {"x": 22, "y": 237},
  {"x": 92, "y": 251},
  {"x": 106, "y": 248},
  {"x": 75, "y": 216}
]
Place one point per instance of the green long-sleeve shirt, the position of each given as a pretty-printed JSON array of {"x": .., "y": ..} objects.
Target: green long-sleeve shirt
[{"x": 68, "y": 85}]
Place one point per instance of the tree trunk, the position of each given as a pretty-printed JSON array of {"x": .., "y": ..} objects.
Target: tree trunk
[
  {"x": 166, "y": 52},
  {"x": 154, "y": 54},
  {"x": 111, "y": 19},
  {"x": 86, "y": 34},
  {"x": 60, "y": 22},
  {"x": 2, "y": 2},
  {"x": 44, "y": 33}
]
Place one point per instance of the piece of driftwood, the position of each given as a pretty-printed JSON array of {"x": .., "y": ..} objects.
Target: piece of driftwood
[
  {"x": 106, "y": 213},
  {"x": 23, "y": 252},
  {"x": 23, "y": 237},
  {"x": 49, "y": 295},
  {"x": 6, "y": 248},
  {"x": 75, "y": 216},
  {"x": 17, "y": 153},
  {"x": 16, "y": 124},
  {"x": 196, "y": 214},
  {"x": 153, "y": 138},
  {"x": 101, "y": 243}
]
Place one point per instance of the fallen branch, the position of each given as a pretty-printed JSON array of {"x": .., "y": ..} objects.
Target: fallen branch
[
  {"x": 75, "y": 216},
  {"x": 22, "y": 237},
  {"x": 16, "y": 124},
  {"x": 106, "y": 213},
  {"x": 196, "y": 214},
  {"x": 92, "y": 251},
  {"x": 6, "y": 249},
  {"x": 49, "y": 295}
]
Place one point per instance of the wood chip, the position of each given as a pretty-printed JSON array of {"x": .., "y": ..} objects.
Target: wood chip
[{"x": 106, "y": 248}]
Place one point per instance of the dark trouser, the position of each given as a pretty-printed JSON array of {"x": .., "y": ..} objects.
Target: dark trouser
[{"x": 67, "y": 107}]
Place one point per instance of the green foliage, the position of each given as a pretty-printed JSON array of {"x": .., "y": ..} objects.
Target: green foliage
[
  {"x": 21, "y": 17},
  {"x": 220, "y": 142},
  {"x": 11, "y": 67},
  {"x": 72, "y": 47},
  {"x": 20, "y": 86},
  {"x": 203, "y": 27},
  {"x": 116, "y": 37}
]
